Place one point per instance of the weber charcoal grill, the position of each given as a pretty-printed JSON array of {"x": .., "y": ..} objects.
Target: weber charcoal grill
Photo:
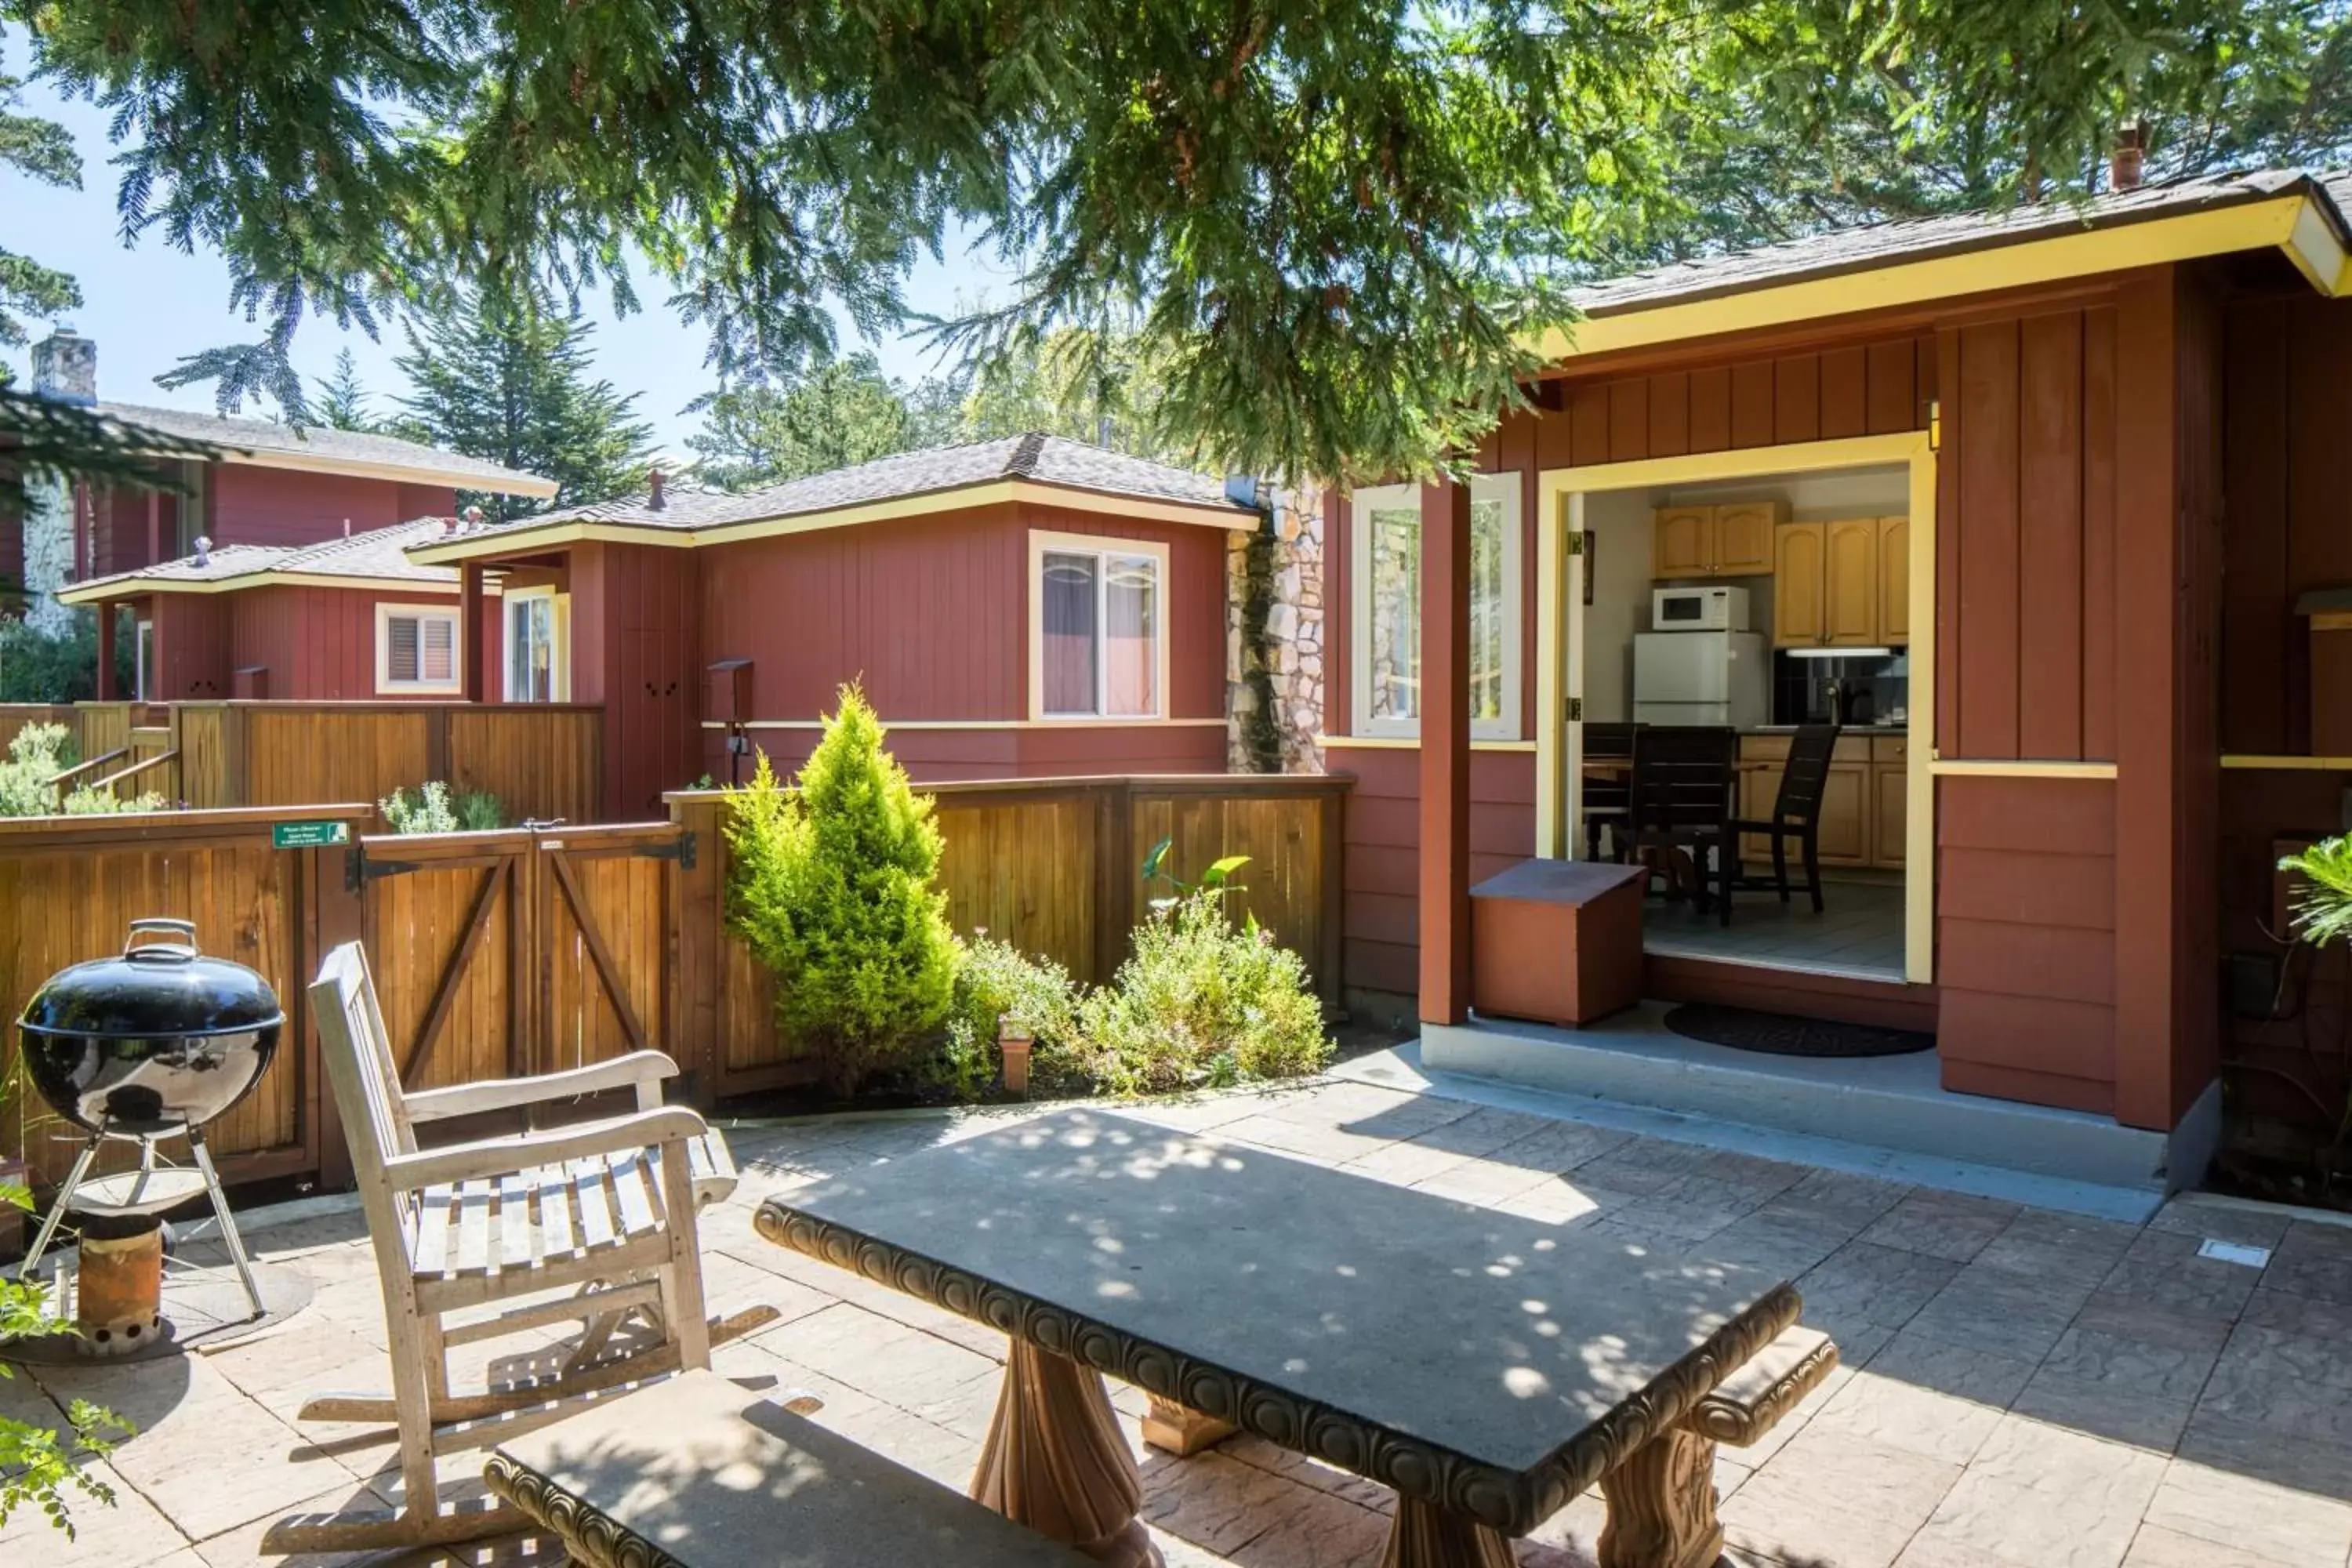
[{"x": 152, "y": 1044}]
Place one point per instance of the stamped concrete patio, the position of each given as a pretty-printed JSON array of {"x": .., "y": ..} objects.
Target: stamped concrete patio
[{"x": 2022, "y": 1388}]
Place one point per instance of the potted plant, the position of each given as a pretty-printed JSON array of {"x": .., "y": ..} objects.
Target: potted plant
[{"x": 2323, "y": 916}]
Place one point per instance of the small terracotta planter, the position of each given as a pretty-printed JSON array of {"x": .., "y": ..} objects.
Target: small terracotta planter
[{"x": 1013, "y": 1046}]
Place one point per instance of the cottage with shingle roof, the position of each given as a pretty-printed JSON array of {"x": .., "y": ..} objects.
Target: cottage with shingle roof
[
  {"x": 269, "y": 492},
  {"x": 1026, "y": 606}
]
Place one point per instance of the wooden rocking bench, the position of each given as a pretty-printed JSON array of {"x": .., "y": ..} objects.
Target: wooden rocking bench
[
  {"x": 591, "y": 1222},
  {"x": 694, "y": 1472}
]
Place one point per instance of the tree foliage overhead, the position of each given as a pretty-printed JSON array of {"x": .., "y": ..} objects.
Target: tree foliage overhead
[
  {"x": 39, "y": 150},
  {"x": 1335, "y": 218},
  {"x": 508, "y": 379},
  {"x": 838, "y": 413}
]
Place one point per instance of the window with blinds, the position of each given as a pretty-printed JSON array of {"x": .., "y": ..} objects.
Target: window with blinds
[{"x": 416, "y": 649}]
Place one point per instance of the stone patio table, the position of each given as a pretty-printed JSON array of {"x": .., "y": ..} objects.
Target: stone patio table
[{"x": 1488, "y": 1368}]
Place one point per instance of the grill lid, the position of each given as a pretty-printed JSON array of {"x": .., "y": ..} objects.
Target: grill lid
[{"x": 153, "y": 989}]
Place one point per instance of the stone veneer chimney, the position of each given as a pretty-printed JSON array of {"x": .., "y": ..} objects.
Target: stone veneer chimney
[
  {"x": 65, "y": 368},
  {"x": 2123, "y": 164}
]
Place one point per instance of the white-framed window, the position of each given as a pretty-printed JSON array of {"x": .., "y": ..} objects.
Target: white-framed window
[
  {"x": 538, "y": 644},
  {"x": 143, "y": 670},
  {"x": 416, "y": 648},
  {"x": 1098, "y": 627},
  {"x": 1385, "y": 572}
]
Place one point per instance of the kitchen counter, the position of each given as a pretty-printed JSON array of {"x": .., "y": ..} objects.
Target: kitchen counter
[{"x": 1902, "y": 728}]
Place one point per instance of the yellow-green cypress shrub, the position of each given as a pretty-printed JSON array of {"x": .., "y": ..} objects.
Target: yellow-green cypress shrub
[{"x": 831, "y": 885}]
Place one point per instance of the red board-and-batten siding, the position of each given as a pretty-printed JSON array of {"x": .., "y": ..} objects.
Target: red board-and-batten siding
[
  {"x": 932, "y": 614},
  {"x": 2051, "y": 945},
  {"x": 317, "y": 644}
]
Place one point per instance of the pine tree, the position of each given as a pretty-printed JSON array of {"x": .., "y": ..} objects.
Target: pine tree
[
  {"x": 833, "y": 888},
  {"x": 343, "y": 401},
  {"x": 508, "y": 379},
  {"x": 39, "y": 150},
  {"x": 843, "y": 412}
]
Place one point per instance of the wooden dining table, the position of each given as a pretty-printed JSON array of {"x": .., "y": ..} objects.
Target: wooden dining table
[{"x": 1488, "y": 1368}]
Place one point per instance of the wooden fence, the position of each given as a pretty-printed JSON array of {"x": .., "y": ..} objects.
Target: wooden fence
[
  {"x": 70, "y": 889},
  {"x": 544, "y": 761},
  {"x": 533, "y": 949},
  {"x": 1052, "y": 865}
]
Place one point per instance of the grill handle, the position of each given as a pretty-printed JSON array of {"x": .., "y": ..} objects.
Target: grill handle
[{"x": 183, "y": 951}]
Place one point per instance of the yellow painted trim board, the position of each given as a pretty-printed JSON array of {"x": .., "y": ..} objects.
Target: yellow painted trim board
[
  {"x": 98, "y": 590},
  {"x": 980, "y": 724},
  {"x": 1409, "y": 743},
  {"x": 2284, "y": 222},
  {"x": 930, "y": 503},
  {"x": 1910, "y": 449},
  {"x": 398, "y": 473},
  {"x": 2285, "y": 765},
  {"x": 2000, "y": 768}
]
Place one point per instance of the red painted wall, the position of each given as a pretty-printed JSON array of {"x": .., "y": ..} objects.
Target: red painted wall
[
  {"x": 636, "y": 651},
  {"x": 192, "y": 647},
  {"x": 318, "y": 644},
  {"x": 932, "y": 614},
  {"x": 2074, "y": 919},
  {"x": 281, "y": 506}
]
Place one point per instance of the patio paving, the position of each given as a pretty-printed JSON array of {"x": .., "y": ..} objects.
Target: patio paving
[{"x": 2022, "y": 1388}]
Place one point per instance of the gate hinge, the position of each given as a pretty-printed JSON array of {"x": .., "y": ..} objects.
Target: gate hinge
[
  {"x": 681, "y": 851},
  {"x": 1576, "y": 710},
  {"x": 360, "y": 869}
]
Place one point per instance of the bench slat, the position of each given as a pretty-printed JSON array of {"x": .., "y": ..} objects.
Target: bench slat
[
  {"x": 555, "y": 1212},
  {"x": 629, "y": 1187},
  {"x": 595, "y": 1215},
  {"x": 518, "y": 1238}
]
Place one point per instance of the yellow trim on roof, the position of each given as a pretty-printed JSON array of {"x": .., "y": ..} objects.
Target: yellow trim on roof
[
  {"x": 2294, "y": 224},
  {"x": 926, "y": 503},
  {"x": 397, "y": 473},
  {"x": 130, "y": 587}
]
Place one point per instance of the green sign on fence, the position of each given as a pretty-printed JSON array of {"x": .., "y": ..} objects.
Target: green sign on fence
[{"x": 309, "y": 835}]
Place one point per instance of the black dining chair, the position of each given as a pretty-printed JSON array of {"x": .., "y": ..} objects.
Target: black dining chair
[
  {"x": 1607, "y": 802},
  {"x": 1684, "y": 780},
  {"x": 1797, "y": 811}
]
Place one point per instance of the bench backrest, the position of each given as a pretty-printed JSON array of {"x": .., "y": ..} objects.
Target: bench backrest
[{"x": 366, "y": 1081}]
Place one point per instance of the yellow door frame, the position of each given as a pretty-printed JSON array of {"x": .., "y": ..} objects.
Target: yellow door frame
[{"x": 1561, "y": 503}]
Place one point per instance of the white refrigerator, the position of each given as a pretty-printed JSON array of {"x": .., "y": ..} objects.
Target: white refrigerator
[{"x": 1702, "y": 678}]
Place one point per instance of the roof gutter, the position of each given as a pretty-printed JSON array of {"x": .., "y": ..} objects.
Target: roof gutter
[
  {"x": 399, "y": 473},
  {"x": 2301, "y": 222},
  {"x": 130, "y": 585}
]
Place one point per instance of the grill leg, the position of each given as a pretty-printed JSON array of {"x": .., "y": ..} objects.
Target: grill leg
[
  {"x": 49, "y": 1231},
  {"x": 235, "y": 1243}
]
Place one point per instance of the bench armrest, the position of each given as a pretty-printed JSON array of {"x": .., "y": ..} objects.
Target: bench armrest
[
  {"x": 491, "y": 1157},
  {"x": 505, "y": 1093}
]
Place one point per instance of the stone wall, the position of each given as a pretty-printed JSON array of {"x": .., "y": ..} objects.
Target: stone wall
[{"x": 1280, "y": 662}]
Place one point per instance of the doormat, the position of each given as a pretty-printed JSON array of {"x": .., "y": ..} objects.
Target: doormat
[{"x": 1779, "y": 1034}]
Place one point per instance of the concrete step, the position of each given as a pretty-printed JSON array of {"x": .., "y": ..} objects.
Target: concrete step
[{"x": 1891, "y": 1106}]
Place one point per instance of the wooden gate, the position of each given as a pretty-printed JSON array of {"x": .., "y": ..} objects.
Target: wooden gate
[{"x": 525, "y": 951}]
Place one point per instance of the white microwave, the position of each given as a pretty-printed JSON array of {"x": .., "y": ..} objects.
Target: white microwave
[{"x": 1700, "y": 609}]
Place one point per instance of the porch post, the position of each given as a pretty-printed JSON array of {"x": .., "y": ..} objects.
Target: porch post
[
  {"x": 106, "y": 692},
  {"x": 1444, "y": 704},
  {"x": 469, "y": 629}
]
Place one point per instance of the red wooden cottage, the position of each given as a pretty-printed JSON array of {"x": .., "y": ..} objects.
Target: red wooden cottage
[
  {"x": 1023, "y": 607},
  {"x": 347, "y": 620},
  {"x": 2029, "y": 503},
  {"x": 296, "y": 625}
]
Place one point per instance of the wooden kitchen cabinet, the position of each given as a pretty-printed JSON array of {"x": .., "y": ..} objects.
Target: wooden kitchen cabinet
[
  {"x": 1890, "y": 815},
  {"x": 1850, "y": 584},
  {"x": 1799, "y": 615},
  {"x": 1845, "y": 803},
  {"x": 1734, "y": 540},
  {"x": 1679, "y": 540},
  {"x": 1743, "y": 538},
  {"x": 1895, "y": 581}
]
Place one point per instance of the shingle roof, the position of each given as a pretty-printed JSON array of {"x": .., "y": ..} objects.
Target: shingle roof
[
  {"x": 1046, "y": 459},
  {"x": 1866, "y": 246},
  {"x": 377, "y": 553},
  {"x": 330, "y": 447}
]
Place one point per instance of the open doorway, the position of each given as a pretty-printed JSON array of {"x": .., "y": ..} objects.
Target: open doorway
[{"x": 1741, "y": 605}]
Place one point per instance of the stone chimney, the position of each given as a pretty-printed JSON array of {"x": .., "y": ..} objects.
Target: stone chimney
[
  {"x": 2130, "y": 152},
  {"x": 64, "y": 367}
]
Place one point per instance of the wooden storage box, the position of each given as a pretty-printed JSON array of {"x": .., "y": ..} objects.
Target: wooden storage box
[{"x": 1556, "y": 940}]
